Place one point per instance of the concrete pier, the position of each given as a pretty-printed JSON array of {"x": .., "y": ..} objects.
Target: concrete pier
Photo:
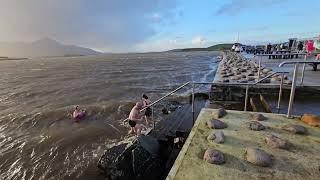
[
  {"x": 235, "y": 68},
  {"x": 301, "y": 161},
  {"x": 311, "y": 78}
]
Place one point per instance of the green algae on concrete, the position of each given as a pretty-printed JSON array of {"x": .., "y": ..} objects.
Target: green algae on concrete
[{"x": 302, "y": 161}]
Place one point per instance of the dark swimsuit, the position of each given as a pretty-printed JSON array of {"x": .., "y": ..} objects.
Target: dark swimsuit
[
  {"x": 132, "y": 123},
  {"x": 148, "y": 112}
]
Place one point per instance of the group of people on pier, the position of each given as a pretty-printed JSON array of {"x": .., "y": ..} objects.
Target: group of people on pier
[{"x": 281, "y": 50}]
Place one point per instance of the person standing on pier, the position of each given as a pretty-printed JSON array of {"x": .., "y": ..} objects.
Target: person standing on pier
[
  {"x": 317, "y": 48},
  {"x": 300, "y": 47},
  {"x": 146, "y": 102},
  {"x": 309, "y": 47},
  {"x": 135, "y": 117}
]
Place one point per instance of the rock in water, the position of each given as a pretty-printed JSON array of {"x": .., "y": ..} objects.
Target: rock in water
[
  {"x": 235, "y": 78},
  {"x": 256, "y": 126},
  {"x": 243, "y": 81},
  {"x": 250, "y": 78},
  {"x": 213, "y": 156},
  {"x": 219, "y": 113},
  {"x": 265, "y": 71},
  {"x": 225, "y": 80},
  {"x": 296, "y": 129},
  {"x": 217, "y": 137},
  {"x": 165, "y": 111},
  {"x": 311, "y": 119},
  {"x": 258, "y": 157},
  {"x": 139, "y": 160},
  {"x": 216, "y": 124},
  {"x": 259, "y": 117},
  {"x": 276, "y": 142}
]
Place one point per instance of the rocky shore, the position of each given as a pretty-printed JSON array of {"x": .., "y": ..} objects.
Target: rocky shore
[{"x": 234, "y": 68}]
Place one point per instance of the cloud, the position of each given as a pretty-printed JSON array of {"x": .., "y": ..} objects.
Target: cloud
[
  {"x": 234, "y": 7},
  {"x": 102, "y": 24},
  {"x": 198, "y": 40},
  {"x": 177, "y": 42},
  {"x": 156, "y": 17}
]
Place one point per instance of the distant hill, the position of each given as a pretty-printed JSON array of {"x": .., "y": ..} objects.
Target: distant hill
[
  {"x": 43, "y": 47},
  {"x": 217, "y": 47}
]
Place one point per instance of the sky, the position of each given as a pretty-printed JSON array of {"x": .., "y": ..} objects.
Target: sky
[{"x": 157, "y": 25}]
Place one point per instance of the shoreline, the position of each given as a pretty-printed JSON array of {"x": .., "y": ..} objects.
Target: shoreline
[{"x": 12, "y": 59}]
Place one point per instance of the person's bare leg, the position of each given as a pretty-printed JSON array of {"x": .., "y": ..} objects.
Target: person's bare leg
[
  {"x": 147, "y": 121},
  {"x": 318, "y": 57},
  {"x": 131, "y": 130}
]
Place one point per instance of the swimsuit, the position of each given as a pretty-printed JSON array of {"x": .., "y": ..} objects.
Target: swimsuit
[
  {"x": 80, "y": 116},
  {"x": 132, "y": 123},
  {"x": 148, "y": 112}
]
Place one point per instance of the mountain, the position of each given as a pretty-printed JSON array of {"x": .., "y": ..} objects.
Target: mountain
[
  {"x": 43, "y": 47},
  {"x": 217, "y": 47}
]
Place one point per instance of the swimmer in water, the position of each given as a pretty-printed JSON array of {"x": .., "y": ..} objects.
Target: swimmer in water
[{"x": 78, "y": 114}]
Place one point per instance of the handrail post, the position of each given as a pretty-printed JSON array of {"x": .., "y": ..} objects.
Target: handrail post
[
  {"x": 246, "y": 98},
  {"x": 293, "y": 88},
  {"x": 192, "y": 104},
  {"x": 303, "y": 69},
  {"x": 259, "y": 68},
  {"x": 154, "y": 123},
  {"x": 280, "y": 93}
]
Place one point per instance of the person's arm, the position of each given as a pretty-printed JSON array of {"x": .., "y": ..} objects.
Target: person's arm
[
  {"x": 145, "y": 103},
  {"x": 74, "y": 114}
]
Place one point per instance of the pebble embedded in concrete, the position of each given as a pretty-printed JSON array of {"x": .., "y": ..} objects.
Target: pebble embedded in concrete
[
  {"x": 258, "y": 157},
  {"x": 216, "y": 124},
  {"x": 219, "y": 113},
  {"x": 296, "y": 129},
  {"x": 258, "y": 117},
  {"x": 276, "y": 142},
  {"x": 217, "y": 137},
  {"x": 256, "y": 126},
  {"x": 214, "y": 156}
]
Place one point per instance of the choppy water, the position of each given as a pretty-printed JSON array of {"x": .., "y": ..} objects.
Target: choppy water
[{"x": 38, "y": 139}]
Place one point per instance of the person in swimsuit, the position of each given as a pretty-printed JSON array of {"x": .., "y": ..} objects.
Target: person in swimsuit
[
  {"x": 146, "y": 102},
  {"x": 135, "y": 117},
  {"x": 78, "y": 114},
  {"x": 138, "y": 129},
  {"x": 317, "y": 48}
]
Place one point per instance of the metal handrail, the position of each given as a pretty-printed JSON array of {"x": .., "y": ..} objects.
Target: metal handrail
[
  {"x": 294, "y": 79},
  {"x": 160, "y": 99},
  {"x": 163, "y": 97},
  {"x": 253, "y": 84},
  {"x": 296, "y": 62},
  {"x": 212, "y": 83},
  {"x": 281, "y": 54}
]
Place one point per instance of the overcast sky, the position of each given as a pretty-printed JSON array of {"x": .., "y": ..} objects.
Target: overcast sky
[{"x": 154, "y": 25}]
